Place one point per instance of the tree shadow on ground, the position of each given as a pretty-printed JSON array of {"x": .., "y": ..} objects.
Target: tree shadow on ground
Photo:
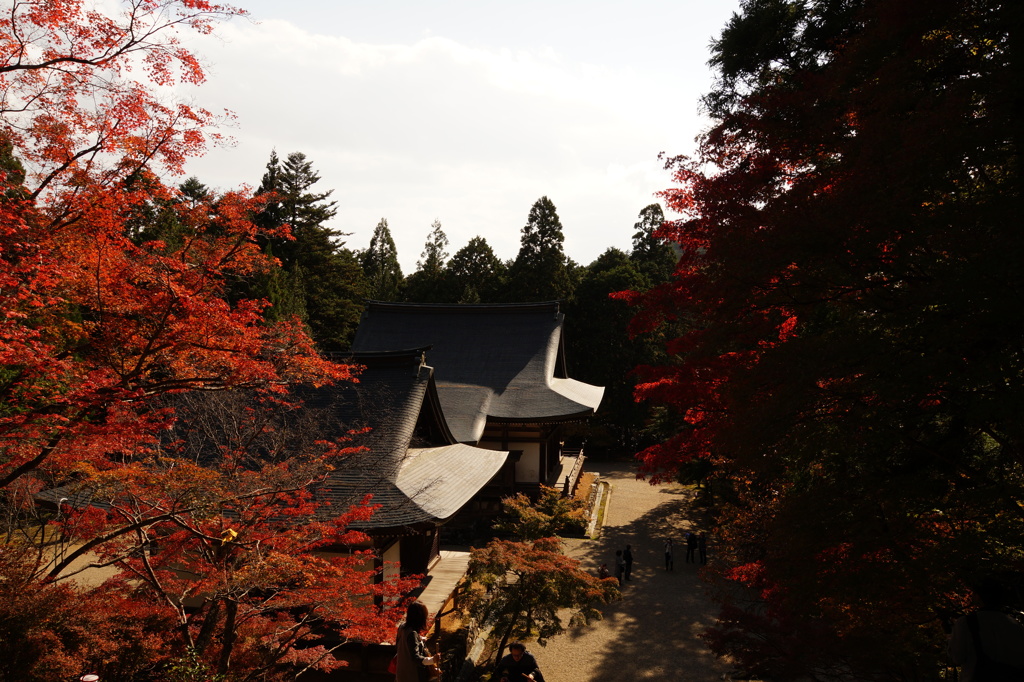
[{"x": 654, "y": 631}]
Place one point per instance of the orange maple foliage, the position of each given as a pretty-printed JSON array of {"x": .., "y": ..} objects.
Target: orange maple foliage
[{"x": 107, "y": 314}]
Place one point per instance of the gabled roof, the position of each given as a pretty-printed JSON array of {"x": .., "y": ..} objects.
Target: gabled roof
[
  {"x": 499, "y": 363},
  {"x": 412, "y": 465},
  {"x": 414, "y": 468}
]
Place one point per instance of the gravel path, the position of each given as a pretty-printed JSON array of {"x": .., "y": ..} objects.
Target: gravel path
[{"x": 652, "y": 632}]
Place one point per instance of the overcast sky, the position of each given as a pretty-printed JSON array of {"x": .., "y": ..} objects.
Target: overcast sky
[{"x": 466, "y": 111}]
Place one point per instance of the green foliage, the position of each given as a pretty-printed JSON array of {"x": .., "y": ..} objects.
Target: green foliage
[
  {"x": 428, "y": 284},
  {"x": 652, "y": 255},
  {"x": 320, "y": 280},
  {"x": 522, "y": 590},
  {"x": 540, "y": 271},
  {"x": 551, "y": 515},
  {"x": 601, "y": 351},
  {"x": 12, "y": 171},
  {"x": 194, "y": 192},
  {"x": 380, "y": 265},
  {"x": 475, "y": 275},
  {"x": 598, "y": 341},
  {"x": 189, "y": 667}
]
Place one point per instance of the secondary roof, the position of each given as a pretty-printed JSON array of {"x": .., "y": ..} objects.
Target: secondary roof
[
  {"x": 413, "y": 466},
  {"x": 494, "y": 362}
]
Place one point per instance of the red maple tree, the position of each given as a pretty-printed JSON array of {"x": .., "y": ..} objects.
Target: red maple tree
[
  {"x": 112, "y": 297},
  {"x": 848, "y": 286}
]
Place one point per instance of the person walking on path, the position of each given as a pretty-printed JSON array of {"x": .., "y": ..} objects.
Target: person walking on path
[
  {"x": 653, "y": 635},
  {"x": 412, "y": 658},
  {"x": 620, "y": 566},
  {"x": 691, "y": 547},
  {"x": 668, "y": 554},
  {"x": 702, "y": 547},
  {"x": 627, "y": 556}
]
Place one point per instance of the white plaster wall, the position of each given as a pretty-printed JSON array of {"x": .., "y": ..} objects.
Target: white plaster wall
[
  {"x": 391, "y": 557},
  {"x": 528, "y": 466}
]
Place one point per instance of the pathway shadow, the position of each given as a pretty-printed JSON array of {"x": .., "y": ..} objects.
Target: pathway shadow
[{"x": 654, "y": 631}]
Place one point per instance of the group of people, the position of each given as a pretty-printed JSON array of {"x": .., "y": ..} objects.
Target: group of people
[
  {"x": 696, "y": 544},
  {"x": 987, "y": 644},
  {"x": 623, "y": 565},
  {"x": 413, "y": 663}
]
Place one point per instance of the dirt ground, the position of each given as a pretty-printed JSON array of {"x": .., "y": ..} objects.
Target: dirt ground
[{"x": 653, "y": 631}]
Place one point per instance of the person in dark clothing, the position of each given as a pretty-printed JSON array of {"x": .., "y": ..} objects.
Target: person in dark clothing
[
  {"x": 702, "y": 547},
  {"x": 519, "y": 665},
  {"x": 988, "y": 644},
  {"x": 691, "y": 547},
  {"x": 412, "y": 656},
  {"x": 627, "y": 556},
  {"x": 620, "y": 566}
]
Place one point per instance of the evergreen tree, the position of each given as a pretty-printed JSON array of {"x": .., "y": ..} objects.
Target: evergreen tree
[
  {"x": 540, "y": 271},
  {"x": 320, "y": 280},
  {"x": 302, "y": 209},
  {"x": 194, "y": 192},
  {"x": 475, "y": 274},
  {"x": 596, "y": 338},
  {"x": 12, "y": 172},
  {"x": 380, "y": 265},
  {"x": 294, "y": 204},
  {"x": 427, "y": 284},
  {"x": 652, "y": 255}
]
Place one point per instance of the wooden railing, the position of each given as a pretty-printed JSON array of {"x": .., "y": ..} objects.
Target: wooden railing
[{"x": 568, "y": 484}]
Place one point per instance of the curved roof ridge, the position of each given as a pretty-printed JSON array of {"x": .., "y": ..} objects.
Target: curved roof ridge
[
  {"x": 501, "y": 361},
  {"x": 410, "y": 352},
  {"x": 525, "y": 307}
]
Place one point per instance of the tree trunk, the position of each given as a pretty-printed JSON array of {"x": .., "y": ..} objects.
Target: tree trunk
[{"x": 228, "y": 637}]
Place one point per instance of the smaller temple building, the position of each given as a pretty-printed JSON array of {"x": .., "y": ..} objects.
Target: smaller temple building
[{"x": 414, "y": 470}]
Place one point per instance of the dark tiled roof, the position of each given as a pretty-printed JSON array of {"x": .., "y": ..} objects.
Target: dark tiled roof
[
  {"x": 413, "y": 467},
  {"x": 387, "y": 400},
  {"x": 493, "y": 362}
]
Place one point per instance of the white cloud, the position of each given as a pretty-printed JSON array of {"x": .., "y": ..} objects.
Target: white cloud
[{"x": 441, "y": 129}]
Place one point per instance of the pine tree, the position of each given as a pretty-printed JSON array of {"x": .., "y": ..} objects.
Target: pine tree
[
  {"x": 380, "y": 265},
  {"x": 194, "y": 192},
  {"x": 320, "y": 280},
  {"x": 427, "y": 284},
  {"x": 652, "y": 255},
  {"x": 475, "y": 274},
  {"x": 540, "y": 271}
]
